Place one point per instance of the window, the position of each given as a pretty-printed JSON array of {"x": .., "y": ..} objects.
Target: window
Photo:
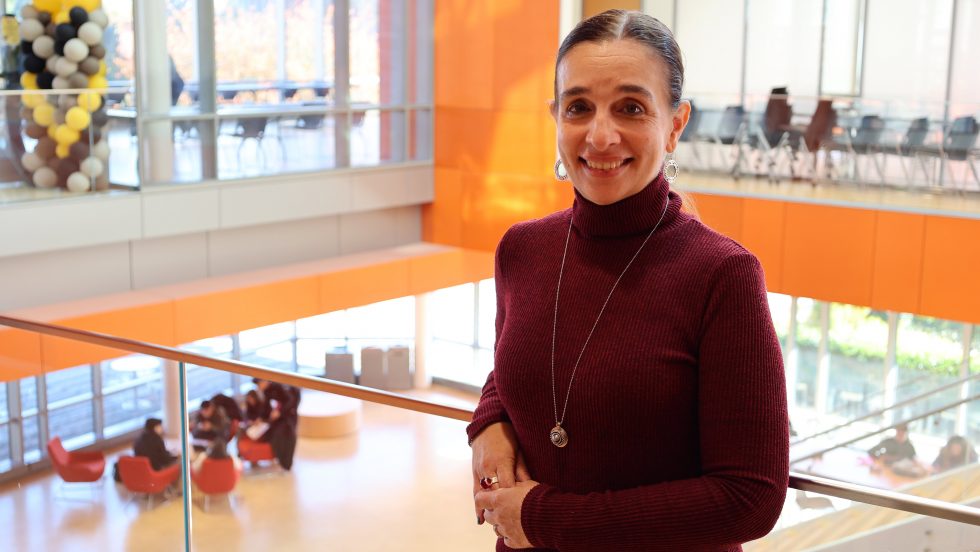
[
  {"x": 807, "y": 344},
  {"x": 4, "y": 415},
  {"x": 780, "y": 307},
  {"x": 487, "y": 318},
  {"x": 204, "y": 383},
  {"x": 858, "y": 343},
  {"x": 130, "y": 369},
  {"x": 28, "y": 395},
  {"x": 710, "y": 35},
  {"x": 269, "y": 346},
  {"x": 74, "y": 424},
  {"x": 783, "y": 46},
  {"x": 451, "y": 314},
  {"x": 5, "y": 460},
  {"x": 929, "y": 354},
  {"x": 132, "y": 391},
  {"x": 965, "y": 80},
  {"x": 68, "y": 384},
  {"x": 842, "y": 48},
  {"x": 32, "y": 439}
]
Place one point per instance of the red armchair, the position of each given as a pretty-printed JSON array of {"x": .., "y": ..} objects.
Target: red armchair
[
  {"x": 216, "y": 476},
  {"x": 254, "y": 451},
  {"x": 139, "y": 477},
  {"x": 75, "y": 467}
]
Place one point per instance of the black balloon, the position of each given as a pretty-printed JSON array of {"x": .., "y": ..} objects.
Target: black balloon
[
  {"x": 78, "y": 16},
  {"x": 33, "y": 63},
  {"x": 26, "y": 46},
  {"x": 59, "y": 47},
  {"x": 100, "y": 118},
  {"x": 44, "y": 80},
  {"x": 65, "y": 32},
  {"x": 44, "y": 17}
]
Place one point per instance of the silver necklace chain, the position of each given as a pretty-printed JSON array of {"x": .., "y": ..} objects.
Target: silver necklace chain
[{"x": 558, "y": 436}]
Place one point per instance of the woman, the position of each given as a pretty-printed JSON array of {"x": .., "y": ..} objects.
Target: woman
[
  {"x": 957, "y": 452},
  {"x": 638, "y": 398}
]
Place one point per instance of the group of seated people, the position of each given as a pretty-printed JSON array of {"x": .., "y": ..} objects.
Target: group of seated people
[
  {"x": 899, "y": 453},
  {"x": 269, "y": 415}
]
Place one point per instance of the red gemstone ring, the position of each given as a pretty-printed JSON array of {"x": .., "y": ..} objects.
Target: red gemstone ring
[{"x": 488, "y": 482}]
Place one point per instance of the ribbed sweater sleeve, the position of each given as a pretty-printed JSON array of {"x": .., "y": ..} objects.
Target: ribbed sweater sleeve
[
  {"x": 744, "y": 436},
  {"x": 490, "y": 410}
]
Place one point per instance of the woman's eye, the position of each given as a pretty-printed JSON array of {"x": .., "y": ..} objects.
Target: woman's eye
[
  {"x": 633, "y": 109},
  {"x": 576, "y": 108}
]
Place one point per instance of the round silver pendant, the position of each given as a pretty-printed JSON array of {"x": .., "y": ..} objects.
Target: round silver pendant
[{"x": 558, "y": 436}]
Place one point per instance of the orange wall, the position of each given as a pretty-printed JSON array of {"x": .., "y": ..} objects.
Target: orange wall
[
  {"x": 592, "y": 7},
  {"x": 494, "y": 136},
  {"x": 924, "y": 264}
]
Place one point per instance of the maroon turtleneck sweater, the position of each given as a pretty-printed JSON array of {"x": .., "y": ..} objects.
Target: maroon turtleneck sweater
[{"x": 677, "y": 423}]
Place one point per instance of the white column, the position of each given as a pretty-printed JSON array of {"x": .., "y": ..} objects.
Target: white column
[
  {"x": 891, "y": 367},
  {"x": 421, "y": 378},
  {"x": 153, "y": 74},
  {"x": 823, "y": 361},
  {"x": 961, "y": 411},
  {"x": 172, "y": 394},
  {"x": 792, "y": 356}
]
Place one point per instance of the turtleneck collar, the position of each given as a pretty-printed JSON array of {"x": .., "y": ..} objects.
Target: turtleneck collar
[{"x": 635, "y": 214}]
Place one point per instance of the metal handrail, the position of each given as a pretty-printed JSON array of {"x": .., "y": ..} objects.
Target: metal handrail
[
  {"x": 857, "y": 493},
  {"x": 901, "y": 403}
]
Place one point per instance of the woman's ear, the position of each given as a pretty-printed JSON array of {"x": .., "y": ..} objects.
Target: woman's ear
[
  {"x": 678, "y": 122},
  {"x": 553, "y": 108}
]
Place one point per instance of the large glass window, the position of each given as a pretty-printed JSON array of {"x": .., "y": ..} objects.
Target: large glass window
[
  {"x": 5, "y": 460},
  {"x": 204, "y": 383},
  {"x": 69, "y": 384},
  {"x": 710, "y": 32},
  {"x": 32, "y": 439},
  {"x": 4, "y": 415},
  {"x": 842, "y": 48},
  {"x": 28, "y": 395},
  {"x": 132, "y": 390},
  {"x": 270, "y": 346},
  {"x": 965, "y": 81},
  {"x": 451, "y": 314},
  {"x": 780, "y": 306},
  {"x": 487, "y": 318}
]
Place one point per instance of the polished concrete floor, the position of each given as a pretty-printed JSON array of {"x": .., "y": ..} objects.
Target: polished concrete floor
[{"x": 401, "y": 483}]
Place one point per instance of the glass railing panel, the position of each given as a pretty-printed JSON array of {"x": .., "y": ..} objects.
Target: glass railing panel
[
  {"x": 74, "y": 417},
  {"x": 815, "y": 522}
]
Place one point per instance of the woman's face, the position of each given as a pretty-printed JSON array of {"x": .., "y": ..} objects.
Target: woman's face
[{"x": 614, "y": 119}]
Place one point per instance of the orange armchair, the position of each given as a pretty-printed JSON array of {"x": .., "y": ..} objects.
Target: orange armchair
[
  {"x": 254, "y": 451},
  {"x": 139, "y": 477},
  {"x": 75, "y": 467},
  {"x": 216, "y": 476}
]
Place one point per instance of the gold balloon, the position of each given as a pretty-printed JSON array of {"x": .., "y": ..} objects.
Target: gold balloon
[
  {"x": 28, "y": 80},
  {"x": 98, "y": 81},
  {"x": 77, "y": 118},
  {"x": 65, "y": 135},
  {"x": 90, "y": 101},
  {"x": 62, "y": 151},
  {"x": 44, "y": 114},
  {"x": 50, "y": 6},
  {"x": 61, "y": 17}
]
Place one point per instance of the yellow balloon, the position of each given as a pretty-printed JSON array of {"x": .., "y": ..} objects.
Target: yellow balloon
[
  {"x": 77, "y": 118},
  {"x": 44, "y": 114},
  {"x": 51, "y": 130},
  {"x": 62, "y": 150},
  {"x": 32, "y": 100},
  {"x": 97, "y": 81},
  {"x": 102, "y": 68},
  {"x": 49, "y": 6},
  {"x": 61, "y": 17},
  {"x": 28, "y": 80},
  {"x": 90, "y": 101},
  {"x": 66, "y": 135}
]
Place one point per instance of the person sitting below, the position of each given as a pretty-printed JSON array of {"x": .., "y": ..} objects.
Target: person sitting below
[
  {"x": 279, "y": 407},
  {"x": 895, "y": 448},
  {"x": 210, "y": 423},
  {"x": 231, "y": 410},
  {"x": 255, "y": 418},
  {"x": 150, "y": 444},
  {"x": 957, "y": 452},
  {"x": 217, "y": 451}
]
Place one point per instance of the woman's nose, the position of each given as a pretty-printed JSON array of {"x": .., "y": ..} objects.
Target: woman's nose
[{"x": 603, "y": 133}]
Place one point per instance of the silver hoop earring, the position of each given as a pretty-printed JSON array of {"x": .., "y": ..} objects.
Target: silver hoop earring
[
  {"x": 670, "y": 169},
  {"x": 560, "y": 172}
]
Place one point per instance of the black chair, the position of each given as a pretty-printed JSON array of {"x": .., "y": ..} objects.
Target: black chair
[
  {"x": 958, "y": 144},
  {"x": 727, "y": 132},
  {"x": 862, "y": 140}
]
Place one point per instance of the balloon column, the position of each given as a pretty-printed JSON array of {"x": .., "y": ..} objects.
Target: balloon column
[{"x": 62, "y": 45}]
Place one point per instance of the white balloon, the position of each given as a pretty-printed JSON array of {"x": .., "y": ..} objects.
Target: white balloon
[
  {"x": 64, "y": 67},
  {"x": 30, "y": 29},
  {"x": 90, "y": 33},
  {"x": 92, "y": 166},
  {"x": 28, "y": 12},
  {"x": 98, "y": 16},
  {"x": 60, "y": 83},
  {"x": 31, "y": 161},
  {"x": 101, "y": 150},
  {"x": 43, "y": 46},
  {"x": 78, "y": 182},
  {"x": 76, "y": 50},
  {"x": 45, "y": 177},
  {"x": 51, "y": 64}
]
